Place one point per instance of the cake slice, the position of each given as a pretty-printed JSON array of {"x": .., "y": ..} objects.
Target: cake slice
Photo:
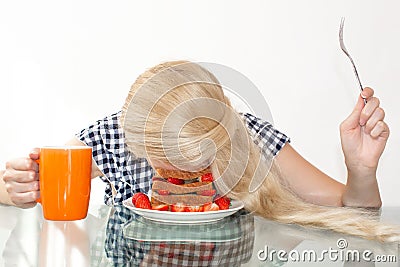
[
  {"x": 178, "y": 191},
  {"x": 173, "y": 187},
  {"x": 184, "y": 175},
  {"x": 194, "y": 187}
]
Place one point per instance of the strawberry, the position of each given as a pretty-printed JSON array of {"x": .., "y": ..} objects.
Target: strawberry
[
  {"x": 207, "y": 192},
  {"x": 178, "y": 207},
  {"x": 135, "y": 196},
  {"x": 161, "y": 207},
  {"x": 163, "y": 192},
  {"x": 223, "y": 202},
  {"x": 210, "y": 207},
  {"x": 194, "y": 208},
  {"x": 142, "y": 202},
  {"x": 207, "y": 177},
  {"x": 175, "y": 181}
]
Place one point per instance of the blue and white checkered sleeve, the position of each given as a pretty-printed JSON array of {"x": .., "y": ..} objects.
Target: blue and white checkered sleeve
[
  {"x": 123, "y": 172},
  {"x": 269, "y": 139},
  {"x": 106, "y": 139}
]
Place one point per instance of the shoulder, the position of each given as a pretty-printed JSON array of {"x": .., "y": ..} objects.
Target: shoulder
[
  {"x": 254, "y": 123},
  {"x": 108, "y": 122},
  {"x": 264, "y": 134},
  {"x": 106, "y": 138},
  {"x": 106, "y": 129}
]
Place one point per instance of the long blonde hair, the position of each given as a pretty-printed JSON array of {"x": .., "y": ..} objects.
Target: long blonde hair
[{"x": 177, "y": 112}]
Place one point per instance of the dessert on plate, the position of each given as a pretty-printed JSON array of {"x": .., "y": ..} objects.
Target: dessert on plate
[{"x": 174, "y": 190}]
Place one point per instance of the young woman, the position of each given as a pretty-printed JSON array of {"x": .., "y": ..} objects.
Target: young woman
[{"x": 176, "y": 116}]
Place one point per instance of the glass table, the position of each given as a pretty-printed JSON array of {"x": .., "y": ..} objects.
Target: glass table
[{"x": 115, "y": 236}]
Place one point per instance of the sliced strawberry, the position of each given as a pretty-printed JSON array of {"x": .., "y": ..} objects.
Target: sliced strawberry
[
  {"x": 223, "y": 202},
  {"x": 175, "y": 181},
  {"x": 142, "y": 202},
  {"x": 163, "y": 192},
  {"x": 207, "y": 192},
  {"x": 194, "y": 208},
  {"x": 135, "y": 196},
  {"x": 208, "y": 177},
  {"x": 178, "y": 208},
  {"x": 161, "y": 207},
  {"x": 210, "y": 207}
]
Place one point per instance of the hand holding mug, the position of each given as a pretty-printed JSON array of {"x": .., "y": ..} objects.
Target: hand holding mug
[
  {"x": 21, "y": 180},
  {"x": 64, "y": 182}
]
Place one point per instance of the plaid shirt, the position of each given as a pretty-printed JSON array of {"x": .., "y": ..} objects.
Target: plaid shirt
[
  {"x": 126, "y": 174},
  {"x": 133, "y": 242}
]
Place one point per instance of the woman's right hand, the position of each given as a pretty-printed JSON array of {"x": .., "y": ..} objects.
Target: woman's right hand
[{"x": 21, "y": 179}]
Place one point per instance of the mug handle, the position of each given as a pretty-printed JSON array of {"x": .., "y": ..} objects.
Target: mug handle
[{"x": 38, "y": 200}]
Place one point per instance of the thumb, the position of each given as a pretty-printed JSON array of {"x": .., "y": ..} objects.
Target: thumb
[
  {"x": 34, "y": 154},
  {"x": 353, "y": 120}
]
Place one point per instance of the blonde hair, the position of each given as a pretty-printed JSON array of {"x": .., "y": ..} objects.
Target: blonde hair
[{"x": 177, "y": 112}]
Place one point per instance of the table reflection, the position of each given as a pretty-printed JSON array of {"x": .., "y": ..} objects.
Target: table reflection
[
  {"x": 115, "y": 236},
  {"x": 64, "y": 243},
  {"x": 134, "y": 241}
]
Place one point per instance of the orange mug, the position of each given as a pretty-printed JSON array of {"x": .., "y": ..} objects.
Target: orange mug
[{"x": 65, "y": 180}]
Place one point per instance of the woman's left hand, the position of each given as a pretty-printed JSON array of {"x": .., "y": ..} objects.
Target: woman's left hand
[{"x": 364, "y": 135}]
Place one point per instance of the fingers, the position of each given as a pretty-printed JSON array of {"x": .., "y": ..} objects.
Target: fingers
[
  {"x": 372, "y": 116},
  {"x": 367, "y": 92},
  {"x": 15, "y": 187},
  {"x": 369, "y": 109},
  {"x": 377, "y": 116},
  {"x": 22, "y": 164},
  {"x": 23, "y": 195},
  {"x": 381, "y": 129},
  {"x": 353, "y": 120},
  {"x": 11, "y": 175},
  {"x": 21, "y": 179},
  {"x": 34, "y": 154},
  {"x": 25, "y": 200}
]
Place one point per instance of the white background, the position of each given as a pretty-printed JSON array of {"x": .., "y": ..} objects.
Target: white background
[{"x": 65, "y": 65}]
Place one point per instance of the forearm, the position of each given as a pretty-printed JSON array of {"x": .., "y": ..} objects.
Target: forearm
[
  {"x": 4, "y": 197},
  {"x": 362, "y": 191}
]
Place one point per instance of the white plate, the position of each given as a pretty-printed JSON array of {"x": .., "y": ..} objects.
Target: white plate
[{"x": 184, "y": 217}]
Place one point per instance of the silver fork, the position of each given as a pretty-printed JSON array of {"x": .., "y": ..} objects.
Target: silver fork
[{"x": 343, "y": 47}]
